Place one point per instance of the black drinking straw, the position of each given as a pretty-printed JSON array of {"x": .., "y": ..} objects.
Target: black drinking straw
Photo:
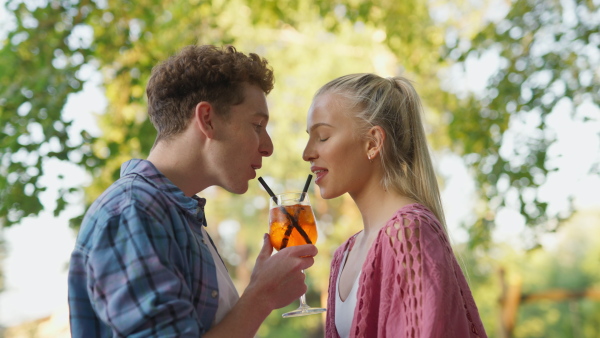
[
  {"x": 269, "y": 191},
  {"x": 292, "y": 219},
  {"x": 288, "y": 231},
  {"x": 305, "y": 187}
]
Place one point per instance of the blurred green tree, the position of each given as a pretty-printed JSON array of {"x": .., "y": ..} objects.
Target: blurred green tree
[
  {"x": 546, "y": 50},
  {"x": 567, "y": 261},
  {"x": 39, "y": 62},
  {"x": 306, "y": 43},
  {"x": 547, "y": 59}
]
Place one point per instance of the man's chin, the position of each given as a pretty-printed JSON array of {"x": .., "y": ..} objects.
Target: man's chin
[{"x": 237, "y": 189}]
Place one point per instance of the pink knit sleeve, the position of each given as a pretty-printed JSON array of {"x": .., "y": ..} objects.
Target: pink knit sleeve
[
  {"x": 449, "y": 309},
  {"x": 405, "y": 299},
  {"x": 413, "y": 286}
]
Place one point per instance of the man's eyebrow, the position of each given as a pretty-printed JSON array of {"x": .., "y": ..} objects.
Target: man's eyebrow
[
  {"x": 262, "y": 114},
  {"x": 317, "y": 125}
]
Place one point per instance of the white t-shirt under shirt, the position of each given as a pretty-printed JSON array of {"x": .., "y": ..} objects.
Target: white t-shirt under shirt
[
  {"x": 228, "y": 294},
  {"x": 344, "y": 310}
]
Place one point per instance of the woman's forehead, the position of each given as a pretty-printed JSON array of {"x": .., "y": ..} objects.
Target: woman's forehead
[{"x": 331, "y": 109}]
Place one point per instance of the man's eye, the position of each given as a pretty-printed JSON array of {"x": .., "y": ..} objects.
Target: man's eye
[{"x": 323, "y": 139}]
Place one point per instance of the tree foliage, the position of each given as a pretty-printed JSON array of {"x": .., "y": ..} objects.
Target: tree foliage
[
  {"x": 56, "y": 40},
  {"x": 306, "y": 43},
  {"x": 548, "y": 59},
  {"x": 39, "y": 63},
  {"x": 547, "y": 54},
  {"x": 568, "y": 263}
]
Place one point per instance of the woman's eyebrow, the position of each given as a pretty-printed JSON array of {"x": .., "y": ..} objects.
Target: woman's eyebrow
[{"x": 316, "y": 125}]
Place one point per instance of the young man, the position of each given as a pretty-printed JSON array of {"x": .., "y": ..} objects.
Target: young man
[{"x": 143, "y": 264}]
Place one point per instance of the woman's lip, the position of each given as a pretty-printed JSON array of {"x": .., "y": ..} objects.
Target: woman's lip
[{"x": 320, "y": 174}]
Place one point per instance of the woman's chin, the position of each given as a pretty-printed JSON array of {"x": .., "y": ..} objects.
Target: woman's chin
[{"x": 329, "y": 194}]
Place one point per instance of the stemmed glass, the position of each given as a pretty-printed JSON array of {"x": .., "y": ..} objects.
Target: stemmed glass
[{"x": 292, "y": 222}]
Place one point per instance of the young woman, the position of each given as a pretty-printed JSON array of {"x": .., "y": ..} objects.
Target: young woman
[{"x": 398, "y": 277}]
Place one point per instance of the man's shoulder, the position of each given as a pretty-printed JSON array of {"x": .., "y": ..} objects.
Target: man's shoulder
[
  {"x": 127, "y": 192},
  {"x": 130, "y": 199}
]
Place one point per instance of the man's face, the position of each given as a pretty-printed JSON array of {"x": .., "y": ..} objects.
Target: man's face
[{"x": 243, "y": 141}]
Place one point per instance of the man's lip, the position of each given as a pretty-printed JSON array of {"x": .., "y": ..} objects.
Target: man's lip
[{"x": 256, "y": 166}]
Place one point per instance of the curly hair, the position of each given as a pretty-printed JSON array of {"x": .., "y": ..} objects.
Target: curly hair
[{"x": 201, "y": 73}]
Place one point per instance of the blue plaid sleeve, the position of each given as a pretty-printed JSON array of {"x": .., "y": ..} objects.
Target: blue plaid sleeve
[{"x": 134, "y": 280}]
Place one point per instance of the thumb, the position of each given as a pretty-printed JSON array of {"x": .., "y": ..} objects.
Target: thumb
[{"x": 267, "y": 248}]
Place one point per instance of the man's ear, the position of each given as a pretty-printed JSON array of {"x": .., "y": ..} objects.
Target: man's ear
[
  {"x": 204, "y": 118},
  {"x": 375, "y": 140}
]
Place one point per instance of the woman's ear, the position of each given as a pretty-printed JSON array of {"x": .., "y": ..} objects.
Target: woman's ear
[{"x": 375, "y": 140}]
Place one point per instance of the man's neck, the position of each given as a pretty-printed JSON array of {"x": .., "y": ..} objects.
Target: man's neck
[{"x": 181, "y": 163}]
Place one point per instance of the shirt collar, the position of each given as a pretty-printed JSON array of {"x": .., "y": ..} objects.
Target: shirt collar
[{"x": 147, "y": 170}]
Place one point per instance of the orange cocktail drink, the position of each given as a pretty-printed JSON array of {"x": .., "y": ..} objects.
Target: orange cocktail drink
[
  {"x": 292, "y": 222},
  {"x": 285, "y": 220}
]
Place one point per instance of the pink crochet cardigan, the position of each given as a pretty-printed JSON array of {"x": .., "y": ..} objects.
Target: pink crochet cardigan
[{"x": 411, "y": 284}]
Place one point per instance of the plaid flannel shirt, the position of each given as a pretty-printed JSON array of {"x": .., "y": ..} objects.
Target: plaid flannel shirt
[{"x": 141, "y": 266}]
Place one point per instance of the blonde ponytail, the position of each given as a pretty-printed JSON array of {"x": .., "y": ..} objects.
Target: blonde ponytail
[{"x": 394, "y": 105}]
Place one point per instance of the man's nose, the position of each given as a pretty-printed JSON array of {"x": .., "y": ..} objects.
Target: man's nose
[{"x": 266, "y": 148}]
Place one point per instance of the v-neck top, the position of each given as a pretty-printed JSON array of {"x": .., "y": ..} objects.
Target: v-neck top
[{"x": 345, "y": 308}]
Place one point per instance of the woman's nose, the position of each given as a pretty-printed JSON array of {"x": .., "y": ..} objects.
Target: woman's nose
[{"x": 308, "y": 154}]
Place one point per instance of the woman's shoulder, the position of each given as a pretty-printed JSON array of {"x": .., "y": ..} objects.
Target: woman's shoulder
[
  {"x": 414, "y": 216},
  {"x": 414, "y": 209},
  {"x": 412, "y": 224}
]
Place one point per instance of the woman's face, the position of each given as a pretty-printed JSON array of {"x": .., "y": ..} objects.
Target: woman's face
[{"x": 338, "y": 157}]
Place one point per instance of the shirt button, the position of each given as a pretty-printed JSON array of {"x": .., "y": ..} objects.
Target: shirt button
[{"x": 214, "y": 293}]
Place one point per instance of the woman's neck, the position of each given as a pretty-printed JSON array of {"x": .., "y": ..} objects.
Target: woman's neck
[{"x": 377, "y": 206}]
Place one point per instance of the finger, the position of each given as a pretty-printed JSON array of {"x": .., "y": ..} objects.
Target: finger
[
  {"x": 306, "y": 262},
  {"x": 267, "y": 248},
  {"x": 295, "y": 279},
  {"x": 306, "y": 250},
  {"x": 302, "y": 290}
]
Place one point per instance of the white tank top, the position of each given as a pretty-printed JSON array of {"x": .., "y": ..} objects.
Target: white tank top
[
  {"x": 228, "y": 294},
  {"x": 344, "y": 310}
]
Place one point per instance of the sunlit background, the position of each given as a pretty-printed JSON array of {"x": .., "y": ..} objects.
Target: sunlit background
[{"x": 510, "y": 91}]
